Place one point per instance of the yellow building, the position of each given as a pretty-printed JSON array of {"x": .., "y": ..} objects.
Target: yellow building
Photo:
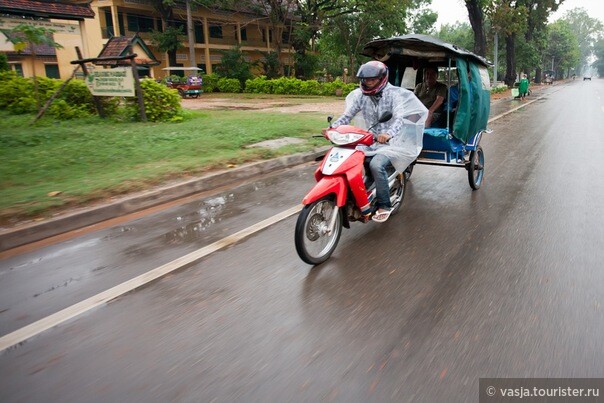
[{"x": 214, "y": 31}]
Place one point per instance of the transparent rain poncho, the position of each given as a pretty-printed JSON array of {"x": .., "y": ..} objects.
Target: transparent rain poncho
[{"x": 406, "y": 127}]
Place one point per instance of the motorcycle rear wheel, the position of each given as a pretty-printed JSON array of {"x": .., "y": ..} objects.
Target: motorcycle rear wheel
[{"x": 314, "y": 243}]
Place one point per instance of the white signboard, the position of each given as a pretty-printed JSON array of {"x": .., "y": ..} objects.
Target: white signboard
[
  {"x": 117, "y": 82},
  {"x": 59, "y": 28}
]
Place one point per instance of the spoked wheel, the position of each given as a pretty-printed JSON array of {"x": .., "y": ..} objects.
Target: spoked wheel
[
  {"x": 397, "y": 192},
  {"x": 314, "y": 241},
  {"x": 476, "y": 168}
]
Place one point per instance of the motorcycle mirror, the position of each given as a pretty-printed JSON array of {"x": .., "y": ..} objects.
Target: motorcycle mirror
[
  {"x": 329, "y": 119},
  {"x": 386, "y": 116}
]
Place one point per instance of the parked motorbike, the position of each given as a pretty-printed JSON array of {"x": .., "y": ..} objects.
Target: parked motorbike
[{"x": 343, "y": 193}]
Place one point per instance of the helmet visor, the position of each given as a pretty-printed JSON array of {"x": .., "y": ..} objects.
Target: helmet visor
[{"x": 369, "y": 71}]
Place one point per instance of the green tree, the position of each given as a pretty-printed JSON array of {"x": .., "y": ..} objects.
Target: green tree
[
  {"x": 4, "y": 66},
  {"x": 422, "y": 20},
  {"x": 347, "y": 34},
  {"x": 509, "y": 18},
  {"x": 234, "y": 65},
  {"x": 170, "y": 40},
  {"x": 460, "y": 34},
  {"x": 587, "y": 31},
  {"x": 270, "y": 64},
  {"x": 599, "y": 54},
  {"x": 563, "y": 47},
  {"x": 25, "y": 36}
]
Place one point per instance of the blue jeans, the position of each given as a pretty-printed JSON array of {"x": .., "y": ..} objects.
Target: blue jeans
[{"x": 377, "y": 166}]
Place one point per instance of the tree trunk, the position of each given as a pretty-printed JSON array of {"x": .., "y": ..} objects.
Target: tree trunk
[
  {"x": 477, "y": 21},
  {"x": 538, "y": 75},
  {"x": 510, "y": 57}
]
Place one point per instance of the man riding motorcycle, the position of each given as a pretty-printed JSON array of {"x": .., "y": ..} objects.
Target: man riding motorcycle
[{"x": 399, "y": 140}]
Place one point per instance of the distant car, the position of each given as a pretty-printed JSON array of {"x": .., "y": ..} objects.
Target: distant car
[{"x": 586, "y": 78}]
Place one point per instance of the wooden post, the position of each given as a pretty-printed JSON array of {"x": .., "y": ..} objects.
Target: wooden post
[
  {"x": 52, "y": 98},
  {"x": 137, "y": 85},
  {"x": 97, "y": 102}
]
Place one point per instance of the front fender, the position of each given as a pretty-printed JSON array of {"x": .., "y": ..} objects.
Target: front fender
[{"x": 326, "y": 186}]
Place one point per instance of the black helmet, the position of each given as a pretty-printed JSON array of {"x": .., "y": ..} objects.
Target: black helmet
[{"x": 373, "y": 69}]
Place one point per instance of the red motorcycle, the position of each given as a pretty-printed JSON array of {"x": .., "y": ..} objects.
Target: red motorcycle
[{"x": 342, "y": 193}]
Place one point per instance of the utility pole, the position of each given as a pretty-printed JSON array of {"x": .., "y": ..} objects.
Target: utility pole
[{"x": 495, "y": 51}]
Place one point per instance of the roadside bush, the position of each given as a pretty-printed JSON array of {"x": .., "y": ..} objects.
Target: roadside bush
[
  {"x": 284, "y": 85},
  {"x": 76, "y": 94},
  {"x": 259, "y": 85},
  {"x": 229, "y": 85},
  {"x": 12, "y": 88},
  {"x": 294, "y": 86},
  {"x": 26, "y": 104},
  {"x": 310, "y": 87},
  {"x": 499, "y": 88},
  {"x": 210, "y": 82},
  {"x": 161, "y": 103},
  {"x": 62, "y": 110}
]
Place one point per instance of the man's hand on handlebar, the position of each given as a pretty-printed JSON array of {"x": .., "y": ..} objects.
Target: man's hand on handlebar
[{"x": 383, "y": 138}]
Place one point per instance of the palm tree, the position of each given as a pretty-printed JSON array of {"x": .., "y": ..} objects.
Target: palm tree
[{"x": 29, "y": 36}]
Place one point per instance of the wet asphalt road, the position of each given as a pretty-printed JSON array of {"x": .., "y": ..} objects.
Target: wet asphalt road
[{"x": 505, "y": 281}]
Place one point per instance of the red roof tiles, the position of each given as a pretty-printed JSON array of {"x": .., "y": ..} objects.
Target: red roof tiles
[{"x": 49, "y": 9}]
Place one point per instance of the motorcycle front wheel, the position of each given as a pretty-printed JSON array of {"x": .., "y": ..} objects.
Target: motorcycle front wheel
[{"x": 314, "y": 241}]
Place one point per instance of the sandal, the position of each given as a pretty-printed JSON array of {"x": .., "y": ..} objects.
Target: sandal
[{"x": 381, "y": 216}]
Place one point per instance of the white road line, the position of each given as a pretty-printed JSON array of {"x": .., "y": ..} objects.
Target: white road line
[{"x": 20, "y": 335}]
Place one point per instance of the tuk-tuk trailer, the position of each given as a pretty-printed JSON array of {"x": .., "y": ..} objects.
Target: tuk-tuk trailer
[{"x": 455, "y": 140}]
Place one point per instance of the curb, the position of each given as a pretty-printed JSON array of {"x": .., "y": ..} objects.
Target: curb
[{"x": 36, "y": 231}]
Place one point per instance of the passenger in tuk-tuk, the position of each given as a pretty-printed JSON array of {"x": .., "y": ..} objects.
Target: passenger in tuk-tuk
[
  {"x": 399, "y": 140},
  {"x": 432, "y": 94}
]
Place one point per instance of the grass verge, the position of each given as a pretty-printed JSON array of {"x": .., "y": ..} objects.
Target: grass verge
[{"x": 54, "y": 165}]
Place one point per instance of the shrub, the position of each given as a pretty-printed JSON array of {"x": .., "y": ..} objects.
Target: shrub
[
  {"x": 161, "y": 103},
  {"x": 310, "y": 87},
  {"x": 26, "y": 104},
  {"x": 76, "y": 94},
  {"x": 13, "y": 88},
  {"x": 259, "y": 85},
  {"x": 62, "y": 110},
  {"x": 229, "y": 85},
  {"x": 210, "y": 82},
  {"x": 234, "y": 65},
  {"x": 499, "y": 88}
]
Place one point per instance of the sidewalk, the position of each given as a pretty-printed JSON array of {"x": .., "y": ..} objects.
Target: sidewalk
[{"x": 79, "y": 218}]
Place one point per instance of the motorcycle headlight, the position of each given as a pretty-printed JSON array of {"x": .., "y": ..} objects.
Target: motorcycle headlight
[{"x": 343, "y": 139}]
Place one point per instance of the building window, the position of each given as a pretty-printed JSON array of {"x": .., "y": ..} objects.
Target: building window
[
  {"x": 198, "y": 33},
  {"x": 285, "y": 37},
  {"x": 243, "y": 34},
  {"x": 137, "y": 23},
  {"x": 270, "y": 36},
  {"x": 120, "y": 21},
  {"x": 52, "y": 71},
  {"x": 180, "y": 24},
  {"x": 18, "y": 68},
  {"x": 215, "y": 31},
  {"x": 108, "y": 31}
]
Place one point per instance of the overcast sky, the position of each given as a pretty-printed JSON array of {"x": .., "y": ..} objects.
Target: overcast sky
[{"x": 451, "y": 11}]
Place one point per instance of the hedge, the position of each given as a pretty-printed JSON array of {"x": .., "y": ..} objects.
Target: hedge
[{"x": 294, "y": 86}]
